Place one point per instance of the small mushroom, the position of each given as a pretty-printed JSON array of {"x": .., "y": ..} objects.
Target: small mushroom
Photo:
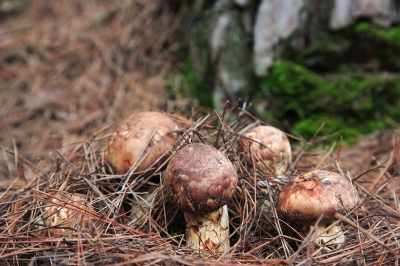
[
  {"x": 267, "y": 145},
  {"x": 143, "y": 139},
  {"x": 314, "y": 195},
  {"x": 64, "y": 215},
  {"x": 270, "y": 145},
  {"x": 200, "y": 180},
  {"x": 142, "y": 202}
]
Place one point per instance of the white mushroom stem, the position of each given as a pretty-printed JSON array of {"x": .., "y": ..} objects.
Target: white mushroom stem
[
  {"x": 141, "y": 204},
  {"x": 209, "y": 232},
  {"x": 324, "y": 236}
]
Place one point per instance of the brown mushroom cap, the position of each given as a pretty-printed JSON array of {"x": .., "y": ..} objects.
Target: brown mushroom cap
[
  {"x": 271, "y": 145},
  {"x": 307, "y": 196},
  {"x": 64, "y": 220},
  {"x": 199, "y": 179},
  {"x": 129, "y": 139}
]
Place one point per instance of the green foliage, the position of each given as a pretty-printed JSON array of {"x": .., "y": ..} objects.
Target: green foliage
[
  {"x": 348, "y": 102},
  {"x": 335, "y": 81},
  {"x": 194, "y": 79},
  {"x": 187, "y": 85},
  {"x": 385, "y": 41},
  {"x": 389, "y": 36},
  {"x": 11, "y": 6},
  {"x": 323, "y": 54},
  {"x": 330, "y": 82}
]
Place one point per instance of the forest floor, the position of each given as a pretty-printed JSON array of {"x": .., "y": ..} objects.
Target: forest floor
[{"x": 71, "y": 70}]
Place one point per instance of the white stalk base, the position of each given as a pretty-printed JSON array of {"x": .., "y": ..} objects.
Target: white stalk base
[
  {"x": 208, "y": 232},
  {"x": 141, "y": 204},
  {"x": 332, "y": 237}
]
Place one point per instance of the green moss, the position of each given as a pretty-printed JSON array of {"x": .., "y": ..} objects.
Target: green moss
[
  {"x": 348, "y": 102},
  {"x": 294, "y": 90},
  {"x": 362, "y": 44},
  {"x": 385, "y": 43},
  {"x": 335, "y": 81},
  {"x": 329, "y": 82},
  {"x": 327, "y": 125},
  {"x": 323, "y": 54},
  {"x": 389, "y": 36},
  {"x": 10, "y": 6},
  {"x": 186, "y": 84}
]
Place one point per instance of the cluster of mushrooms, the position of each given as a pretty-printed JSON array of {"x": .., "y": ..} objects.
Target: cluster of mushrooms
[{"x": 200, "y": 180}]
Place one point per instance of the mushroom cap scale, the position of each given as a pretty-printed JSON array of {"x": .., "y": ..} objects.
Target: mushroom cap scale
[
  {"x": 63, "y": 220},
  {"x": 271, "y": 145},
  {"x": 308, "y": 196},
  {"x": 199, "y": 179},
  {"x": 128, "y": 143}
]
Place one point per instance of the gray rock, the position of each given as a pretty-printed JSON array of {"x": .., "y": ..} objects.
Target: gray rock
[
  {"x": 230, "y": 57},
  {"x": 381, "y": 12},
  {"x": 275, "y": 20},
  {"x": 242, "y": 3}
]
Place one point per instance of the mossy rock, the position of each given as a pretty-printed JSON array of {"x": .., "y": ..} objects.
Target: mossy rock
[
  {"x": 346, "y": 80},
  {"x": 363, "y": 45},
  {"x": 324, "y": 54},
  {"x": 349, "y": 102},
  {"x": 382, "y": 43}
]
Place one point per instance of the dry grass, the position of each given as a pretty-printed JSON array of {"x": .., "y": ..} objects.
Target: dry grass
[
  {"x": 259, "y": 237},
  {"x": 69, "y": 70},
  {"x": 69, "y": 67}
]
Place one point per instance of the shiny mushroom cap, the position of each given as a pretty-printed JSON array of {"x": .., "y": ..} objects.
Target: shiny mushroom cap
[
  {"x": 128, "y": 143},
  {"x": 307, "y": 196},
  {"x": 199, "y": 179},
  {"x": 271, "y": 145}
]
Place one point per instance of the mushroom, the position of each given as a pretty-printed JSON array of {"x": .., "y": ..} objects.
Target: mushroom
[
  {"x": 270, "y": 145},
  {"x": 317, "y": 195},
  {"x": 64, "y": 215},
  {"x": 200, "y": 180},
  {"x": 142, "y": 201},
  {"x": 142, "y": 139}
]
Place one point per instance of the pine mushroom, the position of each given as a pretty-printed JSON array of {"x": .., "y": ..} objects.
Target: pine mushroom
[
  {"x": 319, "y": 193},
  {"x": 267, "y": 145},
  {"x": 200, "y": 180},
  {"x": 64, "y": 215},
  {"x": 142, "y": 202},
  {"x": 270, "y": 145},
  {"x": 143, "y": 139}
]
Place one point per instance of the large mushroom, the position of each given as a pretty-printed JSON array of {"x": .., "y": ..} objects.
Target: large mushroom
[
  {"x": 318, "y": 195},
  {"x": 142, "y": 139},
  {"x": 200, "y": 180},
  {"x": 269, "y": 146}
]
